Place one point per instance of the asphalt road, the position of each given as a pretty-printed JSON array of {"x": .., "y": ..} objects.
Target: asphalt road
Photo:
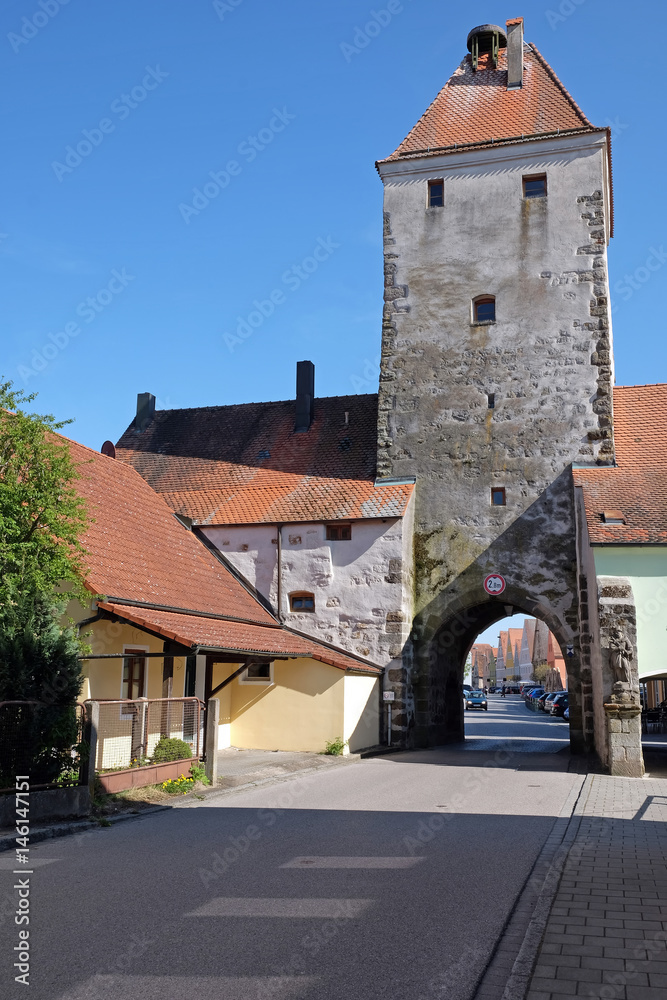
[{"x": 390, "y": 878}]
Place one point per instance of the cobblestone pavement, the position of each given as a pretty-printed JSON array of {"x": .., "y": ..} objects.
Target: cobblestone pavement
[{"x": 606, "y": 932}]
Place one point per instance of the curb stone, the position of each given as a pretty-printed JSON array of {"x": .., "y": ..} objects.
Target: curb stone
[
  {"x": 41, "y": 833},
  {"x": 532, "y": 906},
  {"x": 260, "y": 782}
]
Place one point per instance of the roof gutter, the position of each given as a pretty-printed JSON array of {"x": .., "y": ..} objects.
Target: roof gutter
[
  {"x": 457, "y": 147},
  {"x": 126, "y": 602}
]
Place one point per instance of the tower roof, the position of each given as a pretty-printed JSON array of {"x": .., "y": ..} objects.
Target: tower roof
[{"x": 475, "y": 108}]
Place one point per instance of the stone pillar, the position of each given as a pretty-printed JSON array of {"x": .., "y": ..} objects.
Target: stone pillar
[
  {"x": 620, "y": 675},
  {"x": 624, "y": 733},
  {"x": 90, "y": 730},
  {"x": 212, "y": 723}
]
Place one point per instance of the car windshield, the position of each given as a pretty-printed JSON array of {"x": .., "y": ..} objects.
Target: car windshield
[{"x": 475, "y": 694}]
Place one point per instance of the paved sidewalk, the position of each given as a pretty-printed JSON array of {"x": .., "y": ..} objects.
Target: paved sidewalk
[{"x": 606, "y": 932}]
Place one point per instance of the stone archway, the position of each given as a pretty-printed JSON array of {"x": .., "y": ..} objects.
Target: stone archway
[{"x": 440, "y": 659}]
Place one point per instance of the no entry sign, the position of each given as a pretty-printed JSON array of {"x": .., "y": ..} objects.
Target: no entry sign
[{"x": 494, "y": 584}]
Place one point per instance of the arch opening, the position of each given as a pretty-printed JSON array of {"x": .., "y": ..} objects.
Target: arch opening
[{"x": 441, "y": 711}]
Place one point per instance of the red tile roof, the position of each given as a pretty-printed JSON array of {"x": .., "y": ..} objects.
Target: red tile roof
[
  {"x": 637, "y": 487},
  {"x": 476, "y": 107},
  {"x": 244, "y": 464},
  {"x": 234, "y": 637},
  {"x": 137, "y": 551}
]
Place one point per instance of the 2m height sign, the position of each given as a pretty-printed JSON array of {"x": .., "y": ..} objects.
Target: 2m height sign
[{"x": 494, "y": 584}]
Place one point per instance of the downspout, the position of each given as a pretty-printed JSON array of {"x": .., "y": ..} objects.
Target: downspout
[{"x": 279, "y": 570}]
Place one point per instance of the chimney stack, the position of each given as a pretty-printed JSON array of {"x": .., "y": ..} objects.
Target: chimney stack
[
  {"x": 145, "y": 411},
  {"x": 515, "y": 53},
  {"x": 305, "y": 396}
]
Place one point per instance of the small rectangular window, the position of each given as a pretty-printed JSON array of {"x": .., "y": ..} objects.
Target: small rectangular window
[
  {"x": 436, "y": 194},
  {"x": 339, "y": 532},
  {"x": 491, "y": 397},
  {"x": 484, "y": 309},
  {"x": 498, "y": 498},
  {"x": 535, "y": 186},
  {"x": 302, "y": 602},
  {"x": 257, "y": 673}
]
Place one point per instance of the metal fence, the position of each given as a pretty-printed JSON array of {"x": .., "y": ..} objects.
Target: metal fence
[
  {"x": 43, "y": 741},
  {"x": 129, "y": 730}
]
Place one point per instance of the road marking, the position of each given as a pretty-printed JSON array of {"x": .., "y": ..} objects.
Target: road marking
[
  {"x": 351, "y": 862},
  {"x": 9, "y": 863},
  {"x": 327, "y": 909},
  {"x": 187, "y": 987}
]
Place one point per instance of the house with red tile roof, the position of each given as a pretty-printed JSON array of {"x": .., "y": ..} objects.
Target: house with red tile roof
[
  {"x": 168, "y": 618},
  {"x": 623, "y": 530},
  {"x": 286, "y": 493}
]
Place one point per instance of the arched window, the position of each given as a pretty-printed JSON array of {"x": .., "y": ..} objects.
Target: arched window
[
  {"x": 302, "y": 601},
  {"x": 484, "y": 309}
]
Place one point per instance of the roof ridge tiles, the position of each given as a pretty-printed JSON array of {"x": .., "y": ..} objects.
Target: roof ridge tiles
[{"x": 262, "y": 402}]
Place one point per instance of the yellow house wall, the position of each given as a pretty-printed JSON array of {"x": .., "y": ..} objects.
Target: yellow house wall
[
  {"x": 300, "y": 710},
  {"x": 103, "y": 678},
  {"x": 361, "y": 728}
]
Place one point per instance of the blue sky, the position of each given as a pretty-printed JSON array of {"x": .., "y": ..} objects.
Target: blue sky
[{"x": 115, "y": 280}]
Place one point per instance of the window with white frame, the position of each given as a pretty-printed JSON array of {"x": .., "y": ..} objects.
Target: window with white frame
[{"x": 260, "y": 672}]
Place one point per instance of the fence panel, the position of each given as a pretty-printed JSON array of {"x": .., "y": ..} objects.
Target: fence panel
[
  {"x": 43, "y": 741},
  {"x": 129, "y": 730}
]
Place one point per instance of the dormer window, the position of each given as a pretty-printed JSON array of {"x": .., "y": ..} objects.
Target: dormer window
[
  {"x": 436, "y": 194},
  {"x": 612, "y": 517},
  {"x": 302, "y": 601},
  {"x": 484, "y": 309}
]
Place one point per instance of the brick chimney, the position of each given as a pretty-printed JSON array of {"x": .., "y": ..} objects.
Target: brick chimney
[
  {"x": 515, "y": 53},
  {"x": 305, "y": 396},
  {"x": 145, "y": 411}
]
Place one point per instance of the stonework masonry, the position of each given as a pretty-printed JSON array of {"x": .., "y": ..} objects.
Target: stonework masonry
[{"x": 546, "y": 364}]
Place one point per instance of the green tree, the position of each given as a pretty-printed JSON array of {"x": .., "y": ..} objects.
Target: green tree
[{"x": 42, "y": 516}]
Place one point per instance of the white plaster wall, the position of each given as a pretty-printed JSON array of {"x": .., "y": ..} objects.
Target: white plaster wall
[
  {"x": 543, "y": 356},
  {"x": 357, "y": 583},
  {"x": 361, "y": 712}
]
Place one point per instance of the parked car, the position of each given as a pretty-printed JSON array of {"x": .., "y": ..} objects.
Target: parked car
[
  {"x": 544, "y": 700},
  {"x": 566, "y": 714},
  {"x": 476, "y": 699},
  {"x": 559, "y": 703},
  {"x": 534, "y": 695}
]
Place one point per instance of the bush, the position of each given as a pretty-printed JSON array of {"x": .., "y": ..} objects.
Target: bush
[
  {"x": 38, "y": 663},
  {"x": 336, "y": 747},
  {"x": 171, "y": 749}
]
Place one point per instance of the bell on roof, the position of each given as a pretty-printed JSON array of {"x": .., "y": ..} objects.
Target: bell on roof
[{"x": 486, "y": 38}]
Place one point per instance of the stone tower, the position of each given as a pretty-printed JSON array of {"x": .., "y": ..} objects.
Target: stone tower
[{"x": 496, "y": 374}]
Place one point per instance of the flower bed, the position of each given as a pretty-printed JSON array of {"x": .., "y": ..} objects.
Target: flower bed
[{"x": 152, "y": 774}]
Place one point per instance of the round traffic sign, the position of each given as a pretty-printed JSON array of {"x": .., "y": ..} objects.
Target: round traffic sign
[{"x": 494, "y": 584}]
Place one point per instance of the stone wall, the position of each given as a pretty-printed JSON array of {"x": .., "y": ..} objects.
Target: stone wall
[
  {"x": 362, "y": 586},
  {"x": 545, "y": 362}
]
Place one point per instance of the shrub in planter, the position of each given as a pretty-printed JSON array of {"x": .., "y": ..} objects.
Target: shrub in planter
[{"x": 167, "y": 749}]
